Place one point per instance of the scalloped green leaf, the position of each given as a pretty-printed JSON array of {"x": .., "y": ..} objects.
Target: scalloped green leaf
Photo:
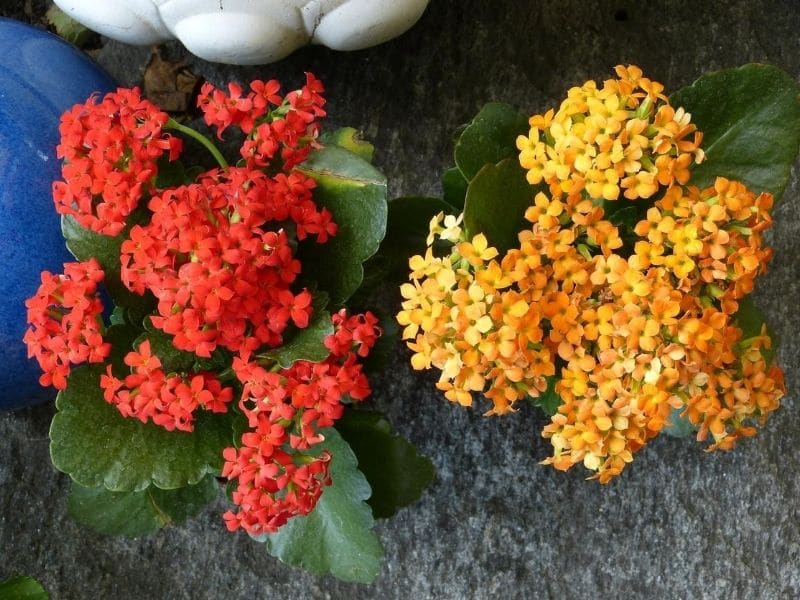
[
  {"x": 549, "y": 400},
  {"x": 489, "y": 138},
  {"x": 171, "y": 173},
  {"x": 349, "y": 138},
  {"x": 355, "y": 193},
  {"x": 96, "y": 446},
  {"x": 67, "y": 27},
  {"x": 679, "y": 426},
  {"x": 138, "y": 513},
  {"x": 407, "y": 230},
  {"x": 22, "y": 588},
  {"x": 336, "y": 538},
  {"x": 750, "y": 319},
  {"x": 750, "y": 119},
  {"x": 396, "y": 472},
  {"x": 84, "y": 244},
  {"x": 454, "y": 187},
  {"x": 172, "y": 359},
  {"x": 307, "y": 344},
  {"x": 496, "y": 202}
]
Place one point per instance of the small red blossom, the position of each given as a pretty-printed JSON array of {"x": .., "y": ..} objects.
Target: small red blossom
[
  {"x": 222, "y": 277},
  {"x": 110, "y": 149},
  {"x": 286, "y": 411},
  {"x": 170, "y": 401},
  {"x": 65, "y": 322}
]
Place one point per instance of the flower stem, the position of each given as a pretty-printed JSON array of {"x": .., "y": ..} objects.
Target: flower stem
[{"x": 173, "y": 124}]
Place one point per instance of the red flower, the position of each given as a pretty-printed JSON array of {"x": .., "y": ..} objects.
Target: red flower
[
  {"x": 221, "y": 275},
  {"x": 286, "y": 410},
  {"x": 148, "y": 394},
  {"x": 65, "y": 322},
  {"x": 110, "y": 151}
]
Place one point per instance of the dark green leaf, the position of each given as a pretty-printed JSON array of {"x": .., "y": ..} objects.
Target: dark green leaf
[
  {"x": 382, "y": 352},
  {"x": 307, "y": 344},
  {"x": 750, "y": 119},
  {"x": 679, "y": 427},
  {"x": 337, "y": 537},
  {"x": 625, "y": 217},
  {"x": 489, "y": 138},
  {"x": 22, "y": 588},
  {"x": 172, "y": 359},
  {"x": 396, "y": 472},
  {"x": 93, "y": 443},
  {"x": 349, "y": 138},
  {"x": 355, "y": 193},
  {"x": 408, "y": 229},
  {"x": 122, "y": 338},
  {"x": 85, "y": 244},
  {"x": 549, "y": 401},
  {"x": 117, "y": 316},
  {"x": 454, "y": 187},
  {"x": 138, "y": 513},
  {"x": 496, "y": 202},
  {"x": 170, "y": 173},
  {"x": 67, "y": 27},
  {"x": 750, "y": 319}
]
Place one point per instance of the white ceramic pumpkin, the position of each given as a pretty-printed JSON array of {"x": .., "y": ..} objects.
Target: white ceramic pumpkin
[{"x": 248, "y": 31}]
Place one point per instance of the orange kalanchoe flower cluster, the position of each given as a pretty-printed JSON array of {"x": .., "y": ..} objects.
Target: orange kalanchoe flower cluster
[
  {"x": 632, "y": 330},
  {"x": 621, "y": 138}
]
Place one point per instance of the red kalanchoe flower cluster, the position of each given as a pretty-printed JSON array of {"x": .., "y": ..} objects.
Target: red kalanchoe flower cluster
[
  {"x": 65, "y": 322},
  {"x": 149, "y": 394},
  {"x": 272, "y": 124},
  {"x": 110, "y": 151},
  {"x": 218, "y": 255},
  {"x": 285, "y": 411},
  {"x": 221, "y": 276}
]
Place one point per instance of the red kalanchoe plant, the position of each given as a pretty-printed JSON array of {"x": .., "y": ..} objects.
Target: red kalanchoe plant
[{"x": 222, "y": 356}]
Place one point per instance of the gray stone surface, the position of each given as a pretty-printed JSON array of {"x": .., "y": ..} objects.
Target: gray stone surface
[{"x": 680, "y": 523}]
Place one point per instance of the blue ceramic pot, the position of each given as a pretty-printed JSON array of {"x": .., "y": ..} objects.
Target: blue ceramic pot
[{"x": 41, "y": 76}]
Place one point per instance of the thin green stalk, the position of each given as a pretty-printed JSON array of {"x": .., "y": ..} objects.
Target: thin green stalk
[{"x": 173, "y": 124}]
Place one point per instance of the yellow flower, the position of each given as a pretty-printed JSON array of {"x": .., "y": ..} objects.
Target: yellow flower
[{"x": 477, "y": 251}]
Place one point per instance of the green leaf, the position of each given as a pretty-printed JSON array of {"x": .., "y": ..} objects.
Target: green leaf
[
  {"x": 22, "y": 588},
  {"x": 679, "y": 426},
  {"x": 117, "y": 316},
  {"x": 407, "y": 230},
  {"x": 489, "y": 138},
  {"x": 496, "y": 202},
  {"x": 549, "y": 401},
  {"x": 138, "y": 513},
  {"x": 67, "y": 27},
  {"x": 172, "y": 359},
  {"x": 355, "y": 193},
  {"x": 750, "y": 319},
  {"x": 96, "y": 446},
  {"x": 307, "y": 344},
  {"x": 625, "y": 217},
  {"x": 396, "y": 472},
  {"x": 85, "y": 244},
  {"x": 349, "y": 138},
  {"x": 750, "y": 119},
  {"x": 454, "y": 187},
  {"x": 336, "y": 538},
  {"x": 381, "y": 356},
  {"x": 173, "y": 173}
]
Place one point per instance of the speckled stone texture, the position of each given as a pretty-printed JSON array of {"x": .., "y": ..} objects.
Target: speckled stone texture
[{"x": 680, "y": 523}]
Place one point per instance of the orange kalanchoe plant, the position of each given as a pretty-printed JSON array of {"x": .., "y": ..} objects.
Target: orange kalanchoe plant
[{"x": 620, "y": 302}]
